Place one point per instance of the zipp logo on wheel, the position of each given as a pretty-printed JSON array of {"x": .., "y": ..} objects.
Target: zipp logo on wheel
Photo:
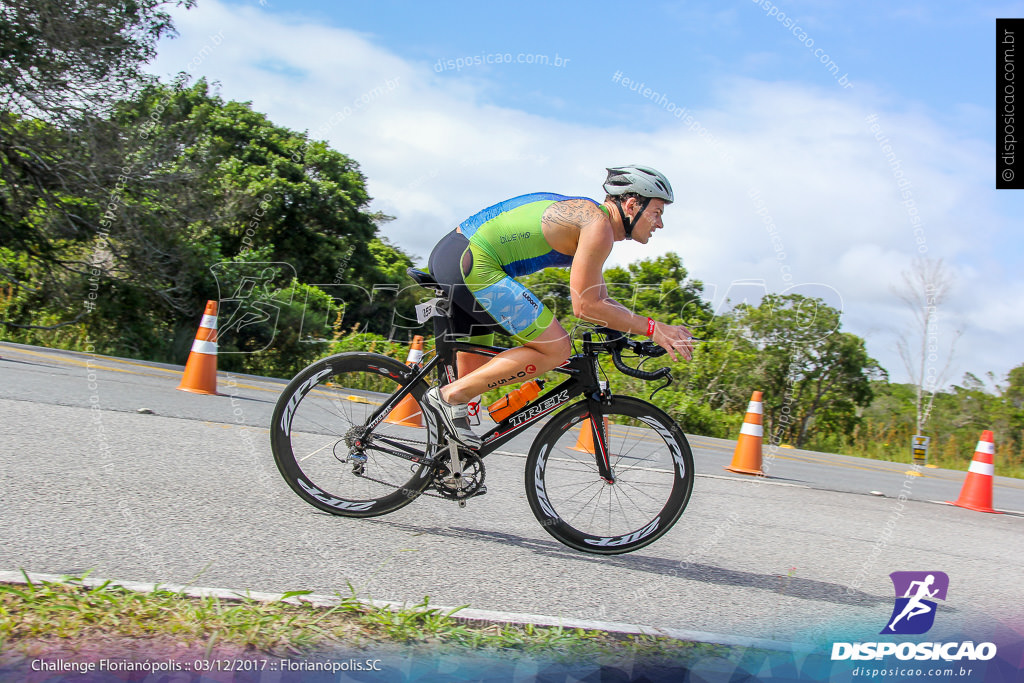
[
  {"x": 289, "y": 409},
  {"x": 628, "y": 538},
  {"x": 328, "y": 499}
]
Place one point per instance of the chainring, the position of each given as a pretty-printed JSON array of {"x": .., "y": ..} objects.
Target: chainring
[{"x": 473, "y": 474}]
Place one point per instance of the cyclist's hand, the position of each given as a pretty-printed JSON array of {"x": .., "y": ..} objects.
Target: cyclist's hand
[{"x": 674, "y": 339}]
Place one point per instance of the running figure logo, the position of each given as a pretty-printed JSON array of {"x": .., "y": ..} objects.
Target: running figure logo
[{"x": 913, "y": 612}]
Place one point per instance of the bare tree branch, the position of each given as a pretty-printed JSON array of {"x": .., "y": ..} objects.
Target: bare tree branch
[{"x": 925, "y": 287}]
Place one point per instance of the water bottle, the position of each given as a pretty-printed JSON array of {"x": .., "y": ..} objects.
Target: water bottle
[{"x": 515, "y": 399}]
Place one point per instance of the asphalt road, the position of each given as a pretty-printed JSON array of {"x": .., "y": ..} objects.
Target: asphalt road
[{"x": 189, "y": 493}]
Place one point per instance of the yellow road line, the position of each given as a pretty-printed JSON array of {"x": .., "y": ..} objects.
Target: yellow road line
[
  {"x": 95, "y": 365},
  {"x": 252, "y": 386},
  {"x": 59, "y": 357},
  {"x": 140, "y": 365},
  {"x": 72, "y": 361},
  {"x": 808, "y": 459},
  {"x": 824, "y": 460}
]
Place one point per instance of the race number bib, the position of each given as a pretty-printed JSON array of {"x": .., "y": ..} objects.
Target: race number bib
[{"x": 426, "y": 311}]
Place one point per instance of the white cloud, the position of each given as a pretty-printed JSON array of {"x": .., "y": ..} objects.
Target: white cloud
[{"x": 434, "y": 154}]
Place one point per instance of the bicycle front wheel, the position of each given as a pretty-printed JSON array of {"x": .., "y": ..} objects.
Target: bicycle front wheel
[
  {"x": 327, "y": 453},
  {"x": 653, "y": 477}
]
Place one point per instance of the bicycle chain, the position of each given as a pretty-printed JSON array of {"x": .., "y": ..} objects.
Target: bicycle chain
[
  {"x": 425, "y": 491},
  {"x": 396, "y": 486}
]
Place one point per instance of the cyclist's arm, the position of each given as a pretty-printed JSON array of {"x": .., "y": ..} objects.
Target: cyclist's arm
[{"x": 590, "y": 300}]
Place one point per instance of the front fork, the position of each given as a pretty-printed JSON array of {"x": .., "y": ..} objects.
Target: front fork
[{"x": 595, "y": 406}]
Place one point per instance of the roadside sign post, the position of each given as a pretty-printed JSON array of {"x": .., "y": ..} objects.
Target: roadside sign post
[{"x": 919, "y": 452}]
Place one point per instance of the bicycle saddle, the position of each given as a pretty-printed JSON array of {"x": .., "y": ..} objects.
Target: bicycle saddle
[{"x": 423, "y": 279}]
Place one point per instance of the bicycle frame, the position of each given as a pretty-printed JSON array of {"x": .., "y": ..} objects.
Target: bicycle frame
[{"x": 583, "y": 380}]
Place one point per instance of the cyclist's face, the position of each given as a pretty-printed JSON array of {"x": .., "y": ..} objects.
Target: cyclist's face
[{"x": 650, "y": 221}]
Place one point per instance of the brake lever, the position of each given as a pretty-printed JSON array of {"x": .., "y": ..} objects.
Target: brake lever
[
  {"x": 652, "y": 350},
  {"x": 668, "y": 380}
]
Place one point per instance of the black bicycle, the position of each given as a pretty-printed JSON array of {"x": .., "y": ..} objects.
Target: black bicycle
[{"x": 606, "y": 474}]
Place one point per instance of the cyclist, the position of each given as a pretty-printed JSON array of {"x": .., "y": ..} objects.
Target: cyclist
[{"x": 480, "y": 258}]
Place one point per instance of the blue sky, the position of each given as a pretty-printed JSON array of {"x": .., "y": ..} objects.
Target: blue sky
[
  {"x": 936, "y": 55},
  {"x": 781, "y": 178}
]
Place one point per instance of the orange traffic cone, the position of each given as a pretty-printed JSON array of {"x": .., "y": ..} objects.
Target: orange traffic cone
[
  {"x": 746, "y": 459},
  {"x": 976, "y": 493},
  {"x": 585, "y": 441},
  {"x": 408, "y": 412},
  {"x": 200, "y": 375}
]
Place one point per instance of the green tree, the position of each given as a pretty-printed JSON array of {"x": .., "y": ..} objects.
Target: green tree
[
  {"x": 64, "y": 63},
  {"x": 887, "y": 423},
  {"x": 249, "y": 182},
  {"x": 814, "y": 378},
  {"x": 68, "y": 56},
  {"x": 713, "y": 388},
  {"x": 1008, "y": 416},
  {"x": 204, "y": 181},
  {"x": 660, "y": 288},
  {"x": 719, "y": 375},
  {"x": 1013, "y": 392},
  {"x": 657, "y": 287}
]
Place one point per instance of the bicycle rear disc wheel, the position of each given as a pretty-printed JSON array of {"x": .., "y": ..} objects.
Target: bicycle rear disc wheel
[
  {"x": 653, "y": 472},
  {"x": 319, "y": 436}
]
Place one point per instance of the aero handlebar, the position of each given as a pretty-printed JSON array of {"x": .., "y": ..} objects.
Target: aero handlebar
[{"x": 616, "y": 342}]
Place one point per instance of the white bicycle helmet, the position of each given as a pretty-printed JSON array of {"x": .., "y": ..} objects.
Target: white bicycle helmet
[
  {"x": 641, "y": 180},
  {"x": 635, "y": 179}
]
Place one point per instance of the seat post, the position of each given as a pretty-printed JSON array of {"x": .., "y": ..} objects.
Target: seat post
[{"x": 442, "y": 347}]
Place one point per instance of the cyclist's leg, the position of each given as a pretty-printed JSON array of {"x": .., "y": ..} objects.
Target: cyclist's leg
[
  {"x": 467, "y": 321},
  {"x": 486, "y": 298},
  {"x": 468, "y": 362},
  {"x": 548, "y": 350},
  {"x": 544, "y": 343}
]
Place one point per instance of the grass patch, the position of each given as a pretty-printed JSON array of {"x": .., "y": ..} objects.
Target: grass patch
[{"x": 68, "y": 611}]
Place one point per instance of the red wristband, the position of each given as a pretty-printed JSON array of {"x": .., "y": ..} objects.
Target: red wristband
[{"x": 650, "y": 327}]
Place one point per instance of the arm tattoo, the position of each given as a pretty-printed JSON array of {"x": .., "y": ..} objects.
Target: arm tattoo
[{"x": 573, "y": 213}]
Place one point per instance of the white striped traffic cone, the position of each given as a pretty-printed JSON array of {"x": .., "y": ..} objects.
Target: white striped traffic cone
[
  {"x": 976, "y": 493},
  {"x": 200, "y": 375},
  {"x": 585, "y": 441},
  {"x": 746, "y": 459},
  {"x": 408, "y": 411}
]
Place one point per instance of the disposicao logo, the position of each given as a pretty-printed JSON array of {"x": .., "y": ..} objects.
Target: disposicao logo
[{"x": 914, "y": 614}]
